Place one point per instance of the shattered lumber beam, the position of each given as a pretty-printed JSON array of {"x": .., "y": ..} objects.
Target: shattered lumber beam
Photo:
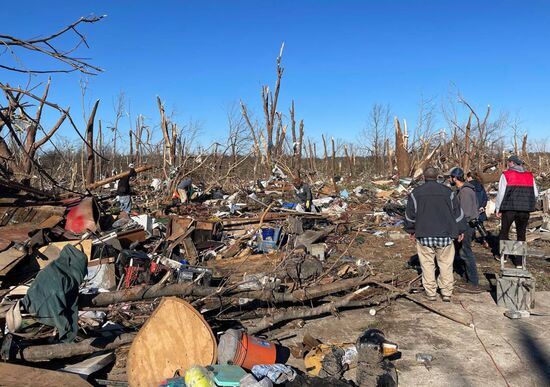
[
  {"x": 117, "y": 177},
  {"x": 37, "y": 353}
]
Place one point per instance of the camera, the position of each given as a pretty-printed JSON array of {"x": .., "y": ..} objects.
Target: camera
[{"x": 475, "y": 223}]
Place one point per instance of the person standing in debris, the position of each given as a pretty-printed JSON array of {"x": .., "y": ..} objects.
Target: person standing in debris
[
  {"x": 482, "y": 199},
  {"x": 468, "y": 202},
  {"x": 185, "y": 189},
  {"x": 516, "y": 199},
  {"x": 124, "y": 192},
  {"x": 434, "y": 218},
  {"x": 303, "y": 192}
]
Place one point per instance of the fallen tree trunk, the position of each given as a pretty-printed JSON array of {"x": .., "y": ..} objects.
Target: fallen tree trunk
[
  {"x": 37, "y": 353},
  {"x": 304, "y": 312},
  {"x": 138, "y": 293},
  {"x": 117, "y": 177},
  {"x": 149, "y": 292}
]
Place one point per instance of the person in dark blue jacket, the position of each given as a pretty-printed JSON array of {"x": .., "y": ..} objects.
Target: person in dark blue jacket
[
  {"x": 482, "y": 199},
  {"x": 481, "y": 194}
]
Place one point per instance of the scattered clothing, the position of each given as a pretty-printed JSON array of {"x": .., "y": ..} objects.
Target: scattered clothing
[
  {"x": 277, "y": 373},
  {"x": 53, "y": 296}
]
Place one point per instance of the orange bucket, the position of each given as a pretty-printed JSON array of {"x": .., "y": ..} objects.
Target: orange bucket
[{"x": 239, "y": 348}]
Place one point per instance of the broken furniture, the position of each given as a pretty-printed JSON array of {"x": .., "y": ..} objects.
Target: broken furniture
[{"x": 515, "y": 286}]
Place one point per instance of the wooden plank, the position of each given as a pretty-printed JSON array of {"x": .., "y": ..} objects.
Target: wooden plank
[
  {"x": 10, "y": 258},
  {"x": 190, "y": 251},
  {"x": 51, "y": 222},
  {"x": 90, "y": 365},
  {"x": 18, "y": 375},
  {"x": 176, "y": 336},
  {"x": 49, "y": 253}
]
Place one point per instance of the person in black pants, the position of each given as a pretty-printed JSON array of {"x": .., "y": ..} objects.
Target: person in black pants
[
  {"x": 303, "y": 192},
  {"x": 468, "y": 202},
  {"x": 482, "y": 199},
  {"x": 516, "y": 199}
]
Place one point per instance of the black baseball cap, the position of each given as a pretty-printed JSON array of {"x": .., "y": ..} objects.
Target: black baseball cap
[{"x": 515, "y": 159}]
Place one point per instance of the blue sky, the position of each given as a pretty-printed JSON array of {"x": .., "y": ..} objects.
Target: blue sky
[{"x": 340, "y": 57}]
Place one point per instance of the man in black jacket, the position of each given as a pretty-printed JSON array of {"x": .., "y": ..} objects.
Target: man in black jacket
[
  {"x": 124, "y": 191},
  {"x": 434, "y": 219}
]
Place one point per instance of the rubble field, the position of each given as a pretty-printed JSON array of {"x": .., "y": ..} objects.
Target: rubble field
[{"x": 250, "y": 281}]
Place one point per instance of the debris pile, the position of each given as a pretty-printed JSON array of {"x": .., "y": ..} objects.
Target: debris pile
[{"x": 196, "y": 292}]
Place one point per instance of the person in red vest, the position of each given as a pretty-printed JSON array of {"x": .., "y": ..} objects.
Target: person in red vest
[{"x": 516, "y": 199}]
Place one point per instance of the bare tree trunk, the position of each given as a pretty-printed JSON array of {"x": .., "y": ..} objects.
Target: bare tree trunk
[
  {"x": 350, "y": 163},
  {"x": 167, "y": 145},
  {"x": 90, "y": 160},
  {"x": 334, "y": 167},
  {"x": 389, "y": 157},
  {"x": 401, "y": 153},
  {"x": 315, "y": 157},
  {"x": 311, "y": 156},
  {"x": 325, "y": 154},
  {"x": 173, "y": 147},
  {"x": 524, "y": 152},
  {"x": 82, "y": 170},
  {"x": 99, "y": 149},
  {"x": 466, "y": 156},
  {"x": 7, "y": 160}
]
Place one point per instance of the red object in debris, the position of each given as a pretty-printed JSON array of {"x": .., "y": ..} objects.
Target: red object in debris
[
  {"x": 82, "y": 216},
  {"x": 245, "y": 350},
  {"x": 131, "y": 276}
]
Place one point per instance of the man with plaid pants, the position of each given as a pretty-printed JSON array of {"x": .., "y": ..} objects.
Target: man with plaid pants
[{"x": 434, "y": 219}]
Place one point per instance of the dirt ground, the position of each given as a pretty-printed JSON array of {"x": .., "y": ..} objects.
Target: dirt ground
[
  {"x": 392, "y": 259},
  {"x": 496, "y": 352}
]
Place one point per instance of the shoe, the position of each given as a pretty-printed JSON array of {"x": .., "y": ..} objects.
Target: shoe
[
  {"x": 519, "y": 267},
  {"x": 430, "y": 298},
  {"x": 446, "y": 298}
]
